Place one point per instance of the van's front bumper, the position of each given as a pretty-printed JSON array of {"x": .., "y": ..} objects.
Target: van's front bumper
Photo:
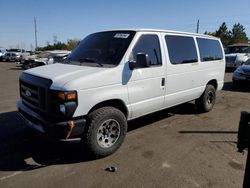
[{"x": 67, "y": 131}]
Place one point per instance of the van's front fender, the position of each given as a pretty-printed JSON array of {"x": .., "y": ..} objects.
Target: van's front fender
[{"x": 88, "y": 98}]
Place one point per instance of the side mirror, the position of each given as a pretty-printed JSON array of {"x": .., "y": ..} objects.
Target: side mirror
[{"x": 142, "y": 61}]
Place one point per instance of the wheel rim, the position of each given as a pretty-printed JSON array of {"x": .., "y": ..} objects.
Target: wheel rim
[
  {"x": 210, "y": 98},
  {"x": 108, "y": 133}
]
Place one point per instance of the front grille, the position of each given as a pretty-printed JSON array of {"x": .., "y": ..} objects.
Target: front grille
[
  {"x": 34, "y": 91},
  {"x": 32, "y": 95},
  {"x": 230, "y": 59}
]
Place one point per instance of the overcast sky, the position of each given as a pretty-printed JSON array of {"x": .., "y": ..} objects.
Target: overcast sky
[{"x": 74, "y": 19}]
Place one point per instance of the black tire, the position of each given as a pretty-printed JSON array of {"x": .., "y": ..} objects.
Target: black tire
[
  {"x": 100, "y": 139},
  {"x": 206, "y": 102}
]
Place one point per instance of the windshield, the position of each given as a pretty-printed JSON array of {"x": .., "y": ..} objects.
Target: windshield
[
  {"x": 247, "y": 62},
  {"x": 102, "y": 49},
  {"x": 237, "y": 49},
  {"x": 14, "y": 50}
]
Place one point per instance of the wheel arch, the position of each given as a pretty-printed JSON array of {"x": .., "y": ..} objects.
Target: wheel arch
[
  {"x": 214, "y": 83},
  {"x": 116, "y": 103}
]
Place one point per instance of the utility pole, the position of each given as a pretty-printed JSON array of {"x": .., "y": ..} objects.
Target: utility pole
[
  {"x": 35, "y": 33},
  {"x": 198, "y": 25}
]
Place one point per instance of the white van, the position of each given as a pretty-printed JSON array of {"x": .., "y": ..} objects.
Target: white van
[{"x": 115, "y": 76}]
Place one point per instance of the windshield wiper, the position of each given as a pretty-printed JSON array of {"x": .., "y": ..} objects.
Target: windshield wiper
[
  {"x": 84, "y": 60},
  {"x": 89, "y": 60}
]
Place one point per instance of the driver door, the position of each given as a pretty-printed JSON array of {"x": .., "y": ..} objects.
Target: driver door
[{"x": 146, "y": 86}]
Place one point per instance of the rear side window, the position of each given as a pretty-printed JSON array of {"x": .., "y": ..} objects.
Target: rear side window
[
  {"x": 210, "y": 50},
  {"x": 148, "y": 44},
  {"x": 181, "y": 49}
]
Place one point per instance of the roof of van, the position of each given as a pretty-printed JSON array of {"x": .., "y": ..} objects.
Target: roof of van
[{"x": 162, "y": 31}]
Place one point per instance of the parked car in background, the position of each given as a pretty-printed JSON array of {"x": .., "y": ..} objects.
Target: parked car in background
[
  {"x": 242, "y": 74},
  {"x": 11, "y": 56},
  {"x": 237, "y": 54},
  {"x": 2, "y": 52},
  {"x": 20, "y": 53},
  {"x": 45, "y": 58}
]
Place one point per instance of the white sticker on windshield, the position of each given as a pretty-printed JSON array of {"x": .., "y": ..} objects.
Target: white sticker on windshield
[{"x": 121, "y": 35}]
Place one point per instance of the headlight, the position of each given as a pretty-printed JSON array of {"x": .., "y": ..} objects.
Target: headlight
[
  {"x": 62, "y": 109},
  {"x": 63, "y": 103},
  {"x": 240, "y": 62}
]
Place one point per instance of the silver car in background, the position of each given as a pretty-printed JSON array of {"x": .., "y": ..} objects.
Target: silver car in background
[
  {"x": 237, "y": 54},
  {"x": 11, "y": 56},
  {"x": 45, "y": 58},
  {"x": 242, "y": 74}
]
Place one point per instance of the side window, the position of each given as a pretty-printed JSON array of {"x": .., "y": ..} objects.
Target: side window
[
  {"x": 148, "y": 44},
  {"x": 181, "y": 49},
  {"x": 210, "y": 49}
]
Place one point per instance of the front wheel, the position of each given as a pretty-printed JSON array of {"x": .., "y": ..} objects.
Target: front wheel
[
  {"x": 106, "y": 131},
  {"x": 206, "y": 102}
]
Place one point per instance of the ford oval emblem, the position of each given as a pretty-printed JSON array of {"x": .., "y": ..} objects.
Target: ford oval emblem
[{"x": 28, "y": 93}]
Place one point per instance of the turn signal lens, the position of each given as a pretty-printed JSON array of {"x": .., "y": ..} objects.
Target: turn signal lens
[
  {"x": 67, "y": 96},
  {"x": 71, "y": 96}
]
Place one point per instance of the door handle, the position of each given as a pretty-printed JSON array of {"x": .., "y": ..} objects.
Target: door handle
[{"x": 163, "y": 82}]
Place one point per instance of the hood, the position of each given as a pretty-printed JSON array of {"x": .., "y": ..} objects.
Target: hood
[
  {"x": 43, "y": 59},
  {"x": 245, "y": 68},
  {"x": 239, "y": 56},
  {"x": 30, "y": 57},
  {"x": 74, "y": 77},
  {"x": 234, "y": 54}
]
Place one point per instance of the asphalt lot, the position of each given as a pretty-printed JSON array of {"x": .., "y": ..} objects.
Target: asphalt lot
[{"x": 172, "y": 148}]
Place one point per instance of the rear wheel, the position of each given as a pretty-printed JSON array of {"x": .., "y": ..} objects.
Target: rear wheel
[
  {"x": 206, "y": 102},
  {"x": 106, "y": 131}
]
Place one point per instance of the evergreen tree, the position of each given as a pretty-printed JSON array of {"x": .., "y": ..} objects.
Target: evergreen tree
[
  {"x": 223, "y": 34},
  {"x": 238, "y": 34},
  {"x": 209, "y": 33}
]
